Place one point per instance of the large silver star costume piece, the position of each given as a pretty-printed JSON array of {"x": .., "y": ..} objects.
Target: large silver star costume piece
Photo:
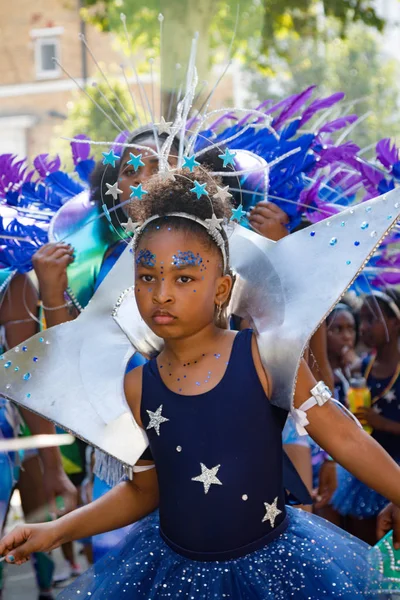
[
  {"x": 285, "y": 288},
  {"x": 208, "y": 477}
]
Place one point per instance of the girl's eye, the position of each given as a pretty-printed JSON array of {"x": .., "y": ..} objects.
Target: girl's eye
[
  {"x": 147, "y": 278},
  {"x": 184, "y": 279}
]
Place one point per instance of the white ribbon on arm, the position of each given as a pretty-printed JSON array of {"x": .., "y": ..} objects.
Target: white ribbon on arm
[{"x": 320, "y": 394}]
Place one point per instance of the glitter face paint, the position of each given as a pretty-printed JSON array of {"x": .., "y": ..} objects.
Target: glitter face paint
[{"x": 145, "y": 258}]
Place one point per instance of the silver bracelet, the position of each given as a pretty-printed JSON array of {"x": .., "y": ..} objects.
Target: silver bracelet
[{"x": 65, "y": 305}]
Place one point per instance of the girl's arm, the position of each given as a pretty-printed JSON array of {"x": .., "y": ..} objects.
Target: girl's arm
[
  {"x": 128, "y": 502},
  {"x": 379, "y": 422},
  {"x": 348, "y": 444}
]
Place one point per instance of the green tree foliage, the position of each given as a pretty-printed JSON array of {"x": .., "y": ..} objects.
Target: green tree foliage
[
  {"x": 261, "y": 26},
  {"x": 355, "y": 65},
  {"x": 84, "y": 117}
]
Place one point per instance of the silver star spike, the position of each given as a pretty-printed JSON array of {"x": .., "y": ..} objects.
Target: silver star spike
[
  {"x": 271, "y": 512},
  {"x": 208, "y": 477},
  {"x": 164, "y": 126},
  {"x": 113, "y": 190},
  {"x": 130, "y": 226},
  {"x": 222, "y": 193},
  {"x": 156, "y": 419},
  {"x": 214, "y": 223}
]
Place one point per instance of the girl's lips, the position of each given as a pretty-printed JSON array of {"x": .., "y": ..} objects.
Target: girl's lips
[{"x": 163, "y": 319}]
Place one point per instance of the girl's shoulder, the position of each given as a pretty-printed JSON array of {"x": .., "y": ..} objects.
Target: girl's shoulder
[
  {"x": 133, "y": 391},
  {"x": 262, "y": 372}
]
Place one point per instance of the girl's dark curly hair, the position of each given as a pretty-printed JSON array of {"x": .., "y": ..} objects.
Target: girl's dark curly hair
[{"x": 166, "y": 196}]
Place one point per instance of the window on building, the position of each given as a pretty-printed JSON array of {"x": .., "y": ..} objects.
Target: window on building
[{"x": 47, "y": 48}]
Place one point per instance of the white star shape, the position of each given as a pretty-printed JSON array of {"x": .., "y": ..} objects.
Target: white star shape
[
  {"x": 113, "y": 190},
  {"x": 208, "y": 477},
  {"x": 390, "y": 396},
  {"x": 271, "y": 512},
  {"x": 166, "y": 175},
  {"x": 214, "y": 223},
  {"x": 222, "y": 193},
  {"x": 130, "y": 226},
  {"x": 164, "y": 126},
  {"x": 156, "y": 419},
  {"x": 377, "y": 410}
]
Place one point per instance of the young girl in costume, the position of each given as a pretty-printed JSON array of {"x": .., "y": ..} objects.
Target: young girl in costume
[
  {"x": 341, "y": 336},
  {"x": 224, "y": 531},
  {"x": 379, "y": 330}
]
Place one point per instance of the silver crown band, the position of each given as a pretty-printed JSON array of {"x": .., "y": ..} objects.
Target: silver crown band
[{"x": 211, "y": 228}]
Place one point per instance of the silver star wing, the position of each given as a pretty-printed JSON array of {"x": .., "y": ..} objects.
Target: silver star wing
[
  {"x": 288, "y": 288},
  {"x": 285, "y": 288},
  {"x": 73, "y": 374}
]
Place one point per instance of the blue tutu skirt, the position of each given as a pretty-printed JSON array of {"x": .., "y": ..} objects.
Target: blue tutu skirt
[
  {"x": 353, "y": 498},
  {"x": 311, "y": 560}
]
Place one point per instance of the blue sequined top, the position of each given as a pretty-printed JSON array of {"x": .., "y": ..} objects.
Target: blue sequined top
[
  {"x": 219, "y": 460},
  {"x": 388, "y": 406}
]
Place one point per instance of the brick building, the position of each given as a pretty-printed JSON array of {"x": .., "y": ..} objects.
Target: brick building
[{"x": 34, "y": 91}]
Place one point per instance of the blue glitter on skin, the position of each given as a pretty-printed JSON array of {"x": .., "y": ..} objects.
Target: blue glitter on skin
[
  {"x": 186, "y": 259},
  {"x": 145, "y": 258}
]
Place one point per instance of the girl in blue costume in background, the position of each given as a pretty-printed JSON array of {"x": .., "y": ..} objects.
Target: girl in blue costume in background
[
  {"x": 224, "y": 529},
  {"x": 379, "y": 330}
]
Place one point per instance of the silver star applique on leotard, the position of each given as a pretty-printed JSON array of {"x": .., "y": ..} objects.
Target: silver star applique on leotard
[
  {"x": 208, "y": 477},
  {"x": 156, "y": 419}
]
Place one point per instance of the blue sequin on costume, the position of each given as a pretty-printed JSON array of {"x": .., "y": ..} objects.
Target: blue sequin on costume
[
  {"x": 225, "y": 540},
  {"x": 352, "y": 497}
]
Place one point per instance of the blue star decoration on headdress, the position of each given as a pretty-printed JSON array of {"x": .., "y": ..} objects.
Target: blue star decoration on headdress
[
  {"x": 238, "y": 213},
  {"x": 110, "y": 158},
  {"x": 190, "y": 163},
  {"x": 135, "y": 161},
  {"x": 199, "y": 189},
  {"x": 228, "y": 157},
  {"x": 137, "y": 191}
]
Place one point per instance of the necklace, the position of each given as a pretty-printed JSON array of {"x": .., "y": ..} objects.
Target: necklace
[
  {"x": 389, "y": 385},
  {"x": 183, "y": 371}
]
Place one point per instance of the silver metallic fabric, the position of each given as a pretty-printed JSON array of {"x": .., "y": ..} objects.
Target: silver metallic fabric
[{"x": 73, "y": 374}]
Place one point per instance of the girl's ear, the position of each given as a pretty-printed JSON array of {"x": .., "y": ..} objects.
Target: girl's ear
[{"x": 223, "y": 290}]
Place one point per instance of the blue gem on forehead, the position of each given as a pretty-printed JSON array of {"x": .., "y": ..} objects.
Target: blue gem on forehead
[
  {"x": 199, "y": 189},
  {"x": 190, "y": 163},
  {"x": 186, "y": 259},
  {"x": 110, "y": 158},
  {"x": 145, "y": 258},
  {"x": 137, "y": 191},
  {"x": 135, "y": 161}
]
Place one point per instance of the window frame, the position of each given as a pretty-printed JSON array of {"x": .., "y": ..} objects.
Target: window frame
[{"x": 39, "y": 42}]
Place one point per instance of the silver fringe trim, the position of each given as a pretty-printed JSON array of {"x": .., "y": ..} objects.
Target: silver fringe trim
[{"x": 109, "y": 469}]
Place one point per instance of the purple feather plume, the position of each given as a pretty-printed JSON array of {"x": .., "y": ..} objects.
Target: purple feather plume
[
  {"x": 44, "y": 165},
  {"x": 338, "y": 124},
  {"x": 80, "y": 151},
  {"x": 386, "y": 153},
  {"x": 321, "y": 104},
  {"x": 297, "y": 102}
]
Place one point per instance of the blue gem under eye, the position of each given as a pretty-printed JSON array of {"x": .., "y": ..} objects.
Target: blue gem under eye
[
  {"x": 356, "y": 243},
  {"x": 333, "y": 241},
  {"x": 312, "y": 233},
  {"x": 364, "y": 225},
  {"x": 26, "y": 377}
]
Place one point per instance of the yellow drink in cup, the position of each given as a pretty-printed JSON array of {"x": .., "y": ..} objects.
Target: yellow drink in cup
[{"x": 359, "y": 396}]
